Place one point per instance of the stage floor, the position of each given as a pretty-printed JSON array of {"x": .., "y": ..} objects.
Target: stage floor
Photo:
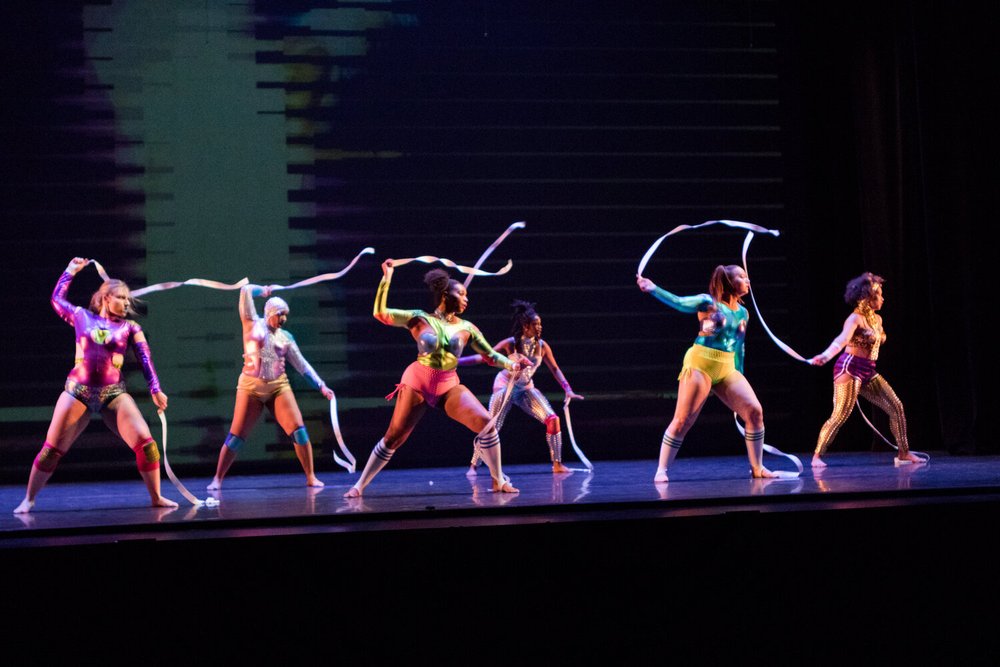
[{"x": 262, "y": 505}]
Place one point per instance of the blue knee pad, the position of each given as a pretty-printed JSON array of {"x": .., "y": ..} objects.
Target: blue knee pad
[
  {"x": 300, "y": 436},
  {"x": 234, "y": 442}
]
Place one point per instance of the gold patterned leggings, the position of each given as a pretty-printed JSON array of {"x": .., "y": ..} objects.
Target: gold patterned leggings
[{"x": 878, "y": 392}]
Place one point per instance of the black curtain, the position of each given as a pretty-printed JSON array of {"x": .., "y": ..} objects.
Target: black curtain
[{"x": 893, "y": 162}]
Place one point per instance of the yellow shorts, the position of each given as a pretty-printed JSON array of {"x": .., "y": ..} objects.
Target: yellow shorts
[
  {"x": 263, "y": 390},
  {"x": 716, "y": 364}
]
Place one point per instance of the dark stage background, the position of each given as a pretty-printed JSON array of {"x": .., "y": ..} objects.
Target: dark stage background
[{"x": 274, "y": 140}]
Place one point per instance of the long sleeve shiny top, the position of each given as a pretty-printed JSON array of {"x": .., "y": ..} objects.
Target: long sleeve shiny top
[
  {"x": 439, "y": 343},
  {"x": 101, "y": 343},
  {"x": 723, "y": 328},
  {"x": 265, "y": 350}
]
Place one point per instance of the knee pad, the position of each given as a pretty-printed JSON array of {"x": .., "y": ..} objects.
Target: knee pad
[
  {"x": 552, "y": 425},
  {"x": 147, "y": 455},
  {"x": 300, "y": 436},
  {"x": 47, "y": 458},
  {"x": 234, "y": 442}
]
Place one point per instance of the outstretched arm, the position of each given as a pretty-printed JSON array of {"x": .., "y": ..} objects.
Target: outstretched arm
[
  {"x": 506, "y": 346},
  {"x": 382, "y": 313},
  {"x": 488, "y": 354},
  {"x": 302, "y": 366},
  {"x": 60, "y": 304},
  {"x": 550, "y": 361},
  {"x": 684, "y": 304},
  {"x": 850, "y": 325}
]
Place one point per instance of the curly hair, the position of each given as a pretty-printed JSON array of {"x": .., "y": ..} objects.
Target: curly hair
[
  {"x": 524, "y": 314},
  {"x": 861, "y": 288},
  {"x": 439, "y": 282}
]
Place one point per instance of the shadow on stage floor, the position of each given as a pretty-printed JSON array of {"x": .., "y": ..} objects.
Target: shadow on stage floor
[{"x": 585, "y": 565}]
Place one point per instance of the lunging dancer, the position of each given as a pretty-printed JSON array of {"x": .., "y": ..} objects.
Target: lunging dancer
[
  {"x": 526, "y": 340},
  {"x": 103, "y": 334},
  {"x": 263, "y": 382},
  {"x": 431, "y": 380},
  {"x": 713, "y": 365},
  {"x": 854, "y": 372}
]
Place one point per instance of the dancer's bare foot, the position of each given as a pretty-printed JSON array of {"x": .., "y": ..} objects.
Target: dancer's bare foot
[
  {"x": 763, "y": 473},
  {"x": 558, "y": 467},
  {"x": 471, "y": 472},
  {"x": 817, "y": 462},
  {"x": 215, "y": 484},
  {"x": 506, "y": 487},
  {"x": 311, "y": 480},
  {"x": 661, "y": 477},
  {"x": 24, "y": 507},
  {"x": 163, "y": 502},
  {"x": 353, "y": 492},
  {"x": 907, "y": 459}
]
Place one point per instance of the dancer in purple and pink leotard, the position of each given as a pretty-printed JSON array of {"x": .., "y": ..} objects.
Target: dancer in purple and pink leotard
[{"x": 103, "y": 335}]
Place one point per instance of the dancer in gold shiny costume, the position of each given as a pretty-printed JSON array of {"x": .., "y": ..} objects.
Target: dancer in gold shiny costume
[{"x": 854, "y": 372}]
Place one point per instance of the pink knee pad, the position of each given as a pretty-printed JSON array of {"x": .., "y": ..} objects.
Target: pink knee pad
[
  {"x": 552, "y": 425},
  {"x": 147, "y": 455},
  {"x": 47, "y": 458}
]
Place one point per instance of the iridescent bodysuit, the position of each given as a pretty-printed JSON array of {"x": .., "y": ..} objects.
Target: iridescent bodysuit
[
  {"x": 439, "y": 345},
  {"x": 863, "y": 381},
  {"x": 101, "y": 343},
  {"x": 718, "y": 349},
  {"x": 264, "y": 354}
]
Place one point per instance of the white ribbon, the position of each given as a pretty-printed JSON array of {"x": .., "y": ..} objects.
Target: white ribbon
[
  {"x": 921, "y": 456},
  {"x": 351, "y": 463},
  {"x": 208, "y": 502},
  {"x": 325, "y": 276},
  {"x": 572, "y": 439},
  {"x": 430, "y": 259},
  {"x": 680, "y": 228},
  {"x": 489, "y": 251},
  {"x": 773, "y": 450},
  {"x": 160, "y": 287}
]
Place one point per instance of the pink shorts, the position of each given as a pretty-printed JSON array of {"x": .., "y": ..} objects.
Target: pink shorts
[{"x": 430, "y": 383}]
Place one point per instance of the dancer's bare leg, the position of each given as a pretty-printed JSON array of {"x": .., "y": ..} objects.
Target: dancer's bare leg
[
  {"x": 69, "y": 419},
  {"x": 462, "y": 405},
  {"x": 245, "y": 414},
  {"x": 287, "y": 413},
  {"x": 737, "y": 394},
  {"x": 692, "y": 392},
  {"x": 132, "y": 428},
  {"x": 410, "y": 407}
]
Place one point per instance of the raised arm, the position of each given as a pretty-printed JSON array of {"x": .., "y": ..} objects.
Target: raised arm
[
  {"x": 850, "y": 325},
  {"x": 60, "y": 304},
  {"x": 685, "y": 304},
  {"x": 248, "y": 312},
  {"x": 382, "y": 313},
  {"x": 550, "y": 361}
]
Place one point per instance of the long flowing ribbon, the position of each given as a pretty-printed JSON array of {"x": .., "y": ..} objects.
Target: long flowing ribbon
[
  {"x": 680, "y": 228},
  {"x": 326, "y": 276},
  {"x": 160, "y": 287},
  {"x": 208, "y": 502},
  {"x": 572, "y": 438},
  {"x": 493, "y": 246},
  {"x": 746, "y": 269},
  {"x": 351, "y": 464},
  {"x": 430, "y": 259}
]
